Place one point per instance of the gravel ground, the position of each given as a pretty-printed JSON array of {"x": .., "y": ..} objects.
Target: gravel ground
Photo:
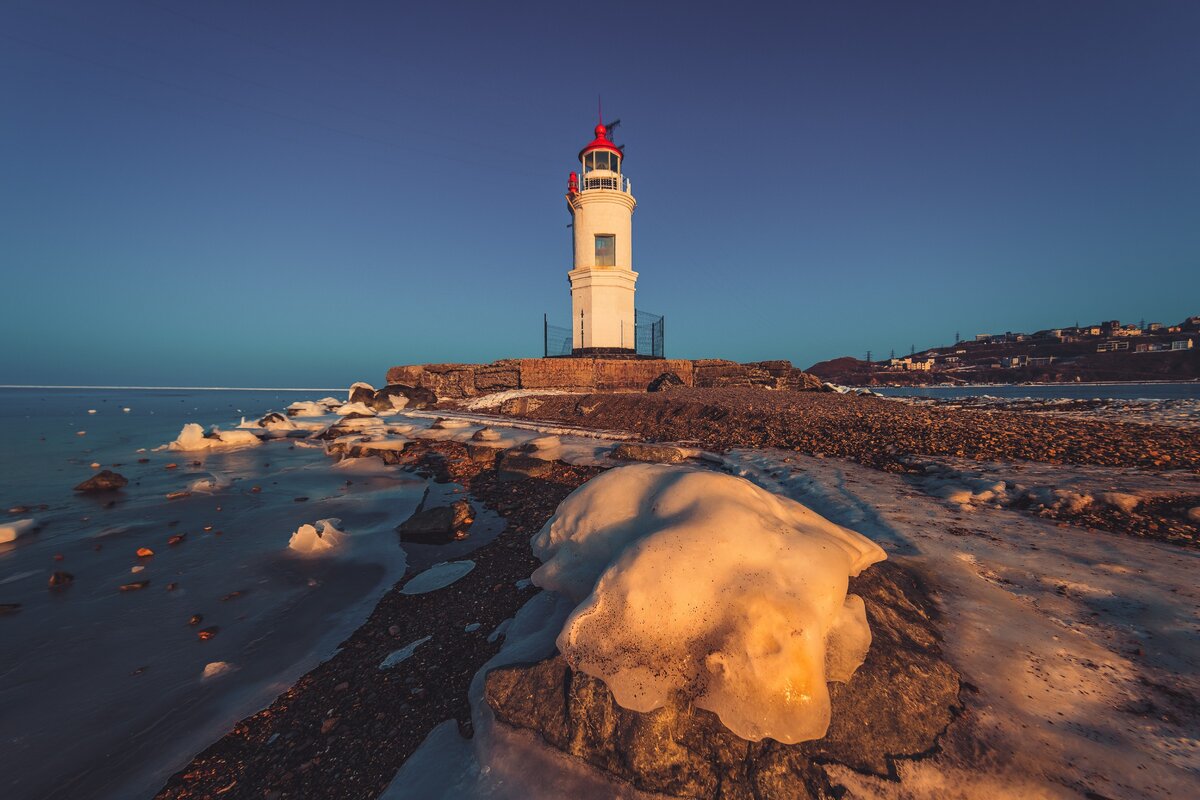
[{"x": 871, "y": 430}]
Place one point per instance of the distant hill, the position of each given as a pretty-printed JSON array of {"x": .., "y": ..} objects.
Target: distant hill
[{"x": 1105, "y": 352}]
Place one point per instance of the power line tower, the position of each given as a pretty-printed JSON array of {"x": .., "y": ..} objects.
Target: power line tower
[
  {"x": 893, "y": 355},
  {"x": 912, "y": 349},
  {"x": 956, "y": 339},
  {"x": 868, "y": 356}
]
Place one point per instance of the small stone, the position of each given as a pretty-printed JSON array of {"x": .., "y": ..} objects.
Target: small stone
[
  {"x": 9, "y": 608},
  {"x": 341, "y": 687},
  {"x": 60, "y": 579},
  {"x": 205, "y": 634},
  {"x": 103, "y": 481},
  {"x": 133, "y": 587},
  {"x": 171, "y": 466},
  {"x": 144, "y": 552},
  {"x": 172, "y": 586},
  {"x": 176, "y": 539},
  {"x": 329, "y": 724},
  {"x": 299, "y": 499},
  {"x": 196, "y": 619},
  {"x": 394, "y": 630}
]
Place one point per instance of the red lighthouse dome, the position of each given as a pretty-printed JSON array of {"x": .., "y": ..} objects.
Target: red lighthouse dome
[{"x": 601, "y": 142}]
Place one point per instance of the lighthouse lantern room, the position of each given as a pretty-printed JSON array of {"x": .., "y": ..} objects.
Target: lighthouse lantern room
[{"x": 602, "y": 277}]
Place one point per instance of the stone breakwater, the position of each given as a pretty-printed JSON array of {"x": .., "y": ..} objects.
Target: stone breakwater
[{"x": 456, "y": 381}]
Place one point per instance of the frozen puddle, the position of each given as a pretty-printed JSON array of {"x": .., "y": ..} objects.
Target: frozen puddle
[{"x": 439, "y": 576}]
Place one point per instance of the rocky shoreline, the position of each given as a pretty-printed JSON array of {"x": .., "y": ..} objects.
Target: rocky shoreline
[{"x": 345, "y": 728}]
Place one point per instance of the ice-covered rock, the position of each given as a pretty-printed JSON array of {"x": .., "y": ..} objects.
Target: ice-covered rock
[
  {"x": 213, "y": 483},
  {"x": 193, "y": 437},
  {"x": 318, "y": 538},
  {"x": 360, "y": 392},
  {"x": 309, "y": 408},
  {"x": 702, "y": 585},
  {"x": 12, "y": 530},
  {"x": 216, "y": 668},
  {"x": 103, "y": 481}
]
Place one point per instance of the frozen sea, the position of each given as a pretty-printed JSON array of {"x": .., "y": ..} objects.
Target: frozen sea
[{"x": 103, "y": 693}]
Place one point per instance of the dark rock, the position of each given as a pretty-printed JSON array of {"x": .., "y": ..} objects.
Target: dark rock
[
  {"x": 60, "y": 579},
  {"x": 387, "y": 451},
  {"x": 418, "y": 397},
  {"x": 103, "y": 481},
  {"x": 438, "y": 525},
  {"x": 362, "y": 394},
  {"x": 514, "y": 465},
  {"x": 273, "y": 417},
  {"x": 896, "y": 705},
  {"x": 655, "y": 453},
  {"x": 196, "y": 619},
  {"x": 664, "y": 382},
  {"x": 204, "y": 634},
  {"x": 9, "y": 608}
]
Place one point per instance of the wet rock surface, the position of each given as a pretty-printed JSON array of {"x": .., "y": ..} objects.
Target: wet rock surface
[
  {"x": 665, "y": 382},
  {"x": 103, "y": 481},
  {"x": 438, "y": 525},
  {"x": 415, "y": 397},
  {"x": 895, "y": 706}
]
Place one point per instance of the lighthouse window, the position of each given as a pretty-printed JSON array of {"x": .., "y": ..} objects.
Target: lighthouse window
[{"x": 606, "y": 250}]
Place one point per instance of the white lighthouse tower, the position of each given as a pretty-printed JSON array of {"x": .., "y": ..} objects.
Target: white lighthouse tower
[{"x": 602, "y": 277}]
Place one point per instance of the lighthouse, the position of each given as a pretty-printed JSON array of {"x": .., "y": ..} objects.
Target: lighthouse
[{"x": 602, "y": 277}]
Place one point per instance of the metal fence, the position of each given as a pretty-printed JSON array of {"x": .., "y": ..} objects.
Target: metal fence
[
  {"x": 556, "y": 339},
  {"x": 648, "y": 333},
  {"x": 648, "y": 336}
]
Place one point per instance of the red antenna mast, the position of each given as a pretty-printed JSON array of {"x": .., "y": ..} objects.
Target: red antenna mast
[{"x": 599, "y": 111}]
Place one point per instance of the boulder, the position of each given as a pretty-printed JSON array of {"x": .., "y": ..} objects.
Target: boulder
[
  {"x": 654, "y": 453},
  {"x": 895, "y": 706},
  {"x": 416, "y": 397},
  {"x": 103, "y": 481},
  {"x": 438, "y": 525},
  {"x": 514, "y": 465},
  {"x": 665, "y": 381},
  {"x": 361, "y": 393}
]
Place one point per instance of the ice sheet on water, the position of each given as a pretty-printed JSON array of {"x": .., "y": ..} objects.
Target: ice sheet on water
[
  {"x": 192, "y": 437},
  {"x": 14, "y": 529}
]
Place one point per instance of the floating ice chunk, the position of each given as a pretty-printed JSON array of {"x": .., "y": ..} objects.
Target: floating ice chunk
[
  {"x": 471, "y": 628},
  {"x": 354, "y": 408},
  {"x": 14, "y": 529},
  {"x": 215, "y": 482},
  {"x": 439, "y": 576},
  {"x": 91, "y": 411},
  {"x": 193, "y": 437},
  {"x": 403, "y": 654},
  {"x": 126, "y": 409},
  {"x": 320, "y": 537},
  {"x": 215, "y": 668},
  {"x": 703, "y": 586}
]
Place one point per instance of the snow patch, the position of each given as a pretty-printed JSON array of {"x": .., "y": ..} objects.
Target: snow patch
[{"x": 704, "y": 585}]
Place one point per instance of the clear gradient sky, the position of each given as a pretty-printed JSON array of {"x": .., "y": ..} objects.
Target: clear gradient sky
[{"x": 303, "y": 193}]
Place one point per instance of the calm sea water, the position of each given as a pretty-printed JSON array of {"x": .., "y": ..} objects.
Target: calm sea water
[
  {"x": 103, "y": 693},
  {"x": 1114, "y": 391}
]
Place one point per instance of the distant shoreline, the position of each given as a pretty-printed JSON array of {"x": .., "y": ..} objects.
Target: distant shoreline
[
  {"x": 181, "y": 388},
  {"x": 1023, "y": 383}
]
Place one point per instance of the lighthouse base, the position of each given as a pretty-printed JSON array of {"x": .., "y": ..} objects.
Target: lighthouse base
[{"x": 607, "y": 352}]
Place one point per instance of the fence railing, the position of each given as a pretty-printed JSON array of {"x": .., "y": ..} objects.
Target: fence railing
[
  {"x": 648, "y": 333},
  {"x": 648, "y": 336}
]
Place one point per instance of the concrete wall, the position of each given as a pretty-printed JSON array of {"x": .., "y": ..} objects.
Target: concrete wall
[{"x": 594, "y": 374}]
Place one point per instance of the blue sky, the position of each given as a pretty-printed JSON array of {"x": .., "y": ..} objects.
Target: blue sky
[{"x": 302, "y": 193}]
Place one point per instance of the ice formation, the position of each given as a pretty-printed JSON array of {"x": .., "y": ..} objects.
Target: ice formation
[
  {"x": 193, "y": 437},
  {"x": 355, "y": 408},
  {"x": 358, "y": 385},
  {"x": 15, "y": 529},
  {"x": 702, "y": 586},
  {"x": 307, "y": 408},
  {"x": 320, "y": 537},
  {"x": 437, "y": 577},
  {"x": 403, "y": 654}
]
